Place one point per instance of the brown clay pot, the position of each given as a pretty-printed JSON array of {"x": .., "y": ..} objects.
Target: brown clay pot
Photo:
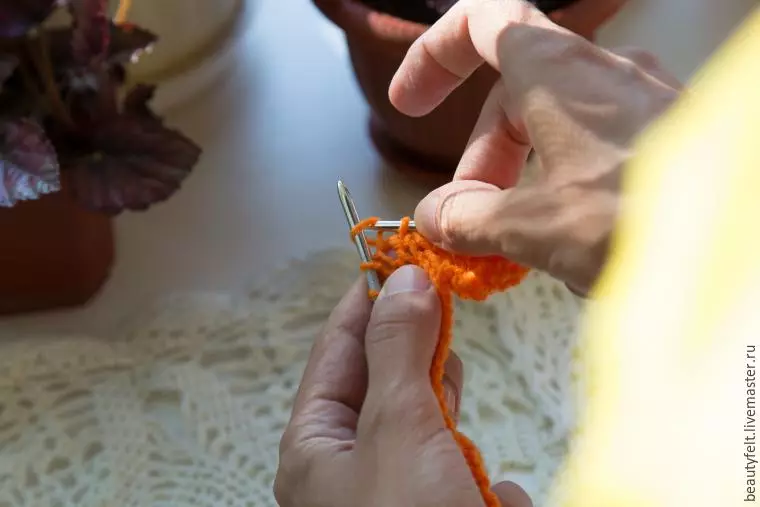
[
  {"x": 53, "y": 254},
  {"x": 432, "y": 144}
]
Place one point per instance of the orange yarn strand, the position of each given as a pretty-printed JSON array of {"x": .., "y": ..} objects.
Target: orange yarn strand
[{"x": 468, "y": 277}]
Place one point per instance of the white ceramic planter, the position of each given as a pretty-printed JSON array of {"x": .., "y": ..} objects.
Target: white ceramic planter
[
  {"x": 193, "y": 37},
  {"x": 188, "y": 31}
]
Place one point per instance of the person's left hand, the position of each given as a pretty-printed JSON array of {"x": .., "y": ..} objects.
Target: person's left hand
[{"x": 366, "y": 427}]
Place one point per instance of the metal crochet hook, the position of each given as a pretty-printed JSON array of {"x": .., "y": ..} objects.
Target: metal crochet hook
[
  {"x": 391, "y": 225},
  {"x": 360, "y": 240}
]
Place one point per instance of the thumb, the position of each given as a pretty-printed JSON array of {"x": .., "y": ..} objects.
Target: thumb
[
  {"x": 476, "y": 218},
  {"x": 561, "y": 233},
  {"x": 403, "y": 329},
  {"x": 400, "y": 342}
]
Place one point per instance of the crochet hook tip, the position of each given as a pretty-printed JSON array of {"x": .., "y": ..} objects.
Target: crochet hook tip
[{"x": 360, "y": 240}]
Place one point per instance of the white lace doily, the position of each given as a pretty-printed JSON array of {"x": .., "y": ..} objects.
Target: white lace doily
[{"x": 186, "y": 407}]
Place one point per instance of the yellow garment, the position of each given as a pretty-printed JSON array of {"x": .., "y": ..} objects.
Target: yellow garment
[{"x": 666, "y": 345}]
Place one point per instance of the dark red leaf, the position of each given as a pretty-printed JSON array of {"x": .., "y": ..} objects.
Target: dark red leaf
[
  {"x": 91, "y": 35},
  {"x": 92, "y": 98},
  {"x": 28, "y": 162},
  {"x": 18, "y": 16},
  {"x": 8, "y": 64},
  {"x": 135, "y": 162},
  {"x": 137, "y": 101},
  {"x": 15, "y": 99},
  {"x": 127, "y": 43},
  {"x": 118, "y": 73}
]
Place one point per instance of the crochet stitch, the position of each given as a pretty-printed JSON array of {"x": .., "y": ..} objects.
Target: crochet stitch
[{"x": 468, "y": 277}]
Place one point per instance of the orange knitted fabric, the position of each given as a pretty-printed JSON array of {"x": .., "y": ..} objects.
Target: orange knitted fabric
[{"x": 469, "y": 278}]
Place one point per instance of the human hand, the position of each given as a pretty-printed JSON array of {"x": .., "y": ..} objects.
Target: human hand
[
  {"x": 577, "y": 105},
  {"x": 366, "y": 427}
]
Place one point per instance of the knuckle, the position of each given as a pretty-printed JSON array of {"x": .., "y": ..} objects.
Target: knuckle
[
  {"x": 292, "y": 473},
  {"x": 286, "y": 442},
  {"x": 400, "y": 407},
  {"x": 640, "y": 57},
  {"x": 645, "y": 59}
]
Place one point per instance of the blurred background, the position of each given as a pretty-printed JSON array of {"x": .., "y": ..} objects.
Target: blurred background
[
  {"x": 267, "y": 89},
  {"x": 265, "y": 105}
]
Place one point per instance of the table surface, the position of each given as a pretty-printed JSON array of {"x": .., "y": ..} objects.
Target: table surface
[{"x": 279, "y": 126}]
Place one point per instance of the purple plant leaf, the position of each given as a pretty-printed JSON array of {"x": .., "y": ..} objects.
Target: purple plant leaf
[
  {"x": 91, "y": 36},
  {"x": 8, "y": 64},
  {"x": 118, "y": 73},
  {"x": 92, "y": 99},
  {"x": 137, "y": 101},
  {"x": 136, "y": 163},
  {"x": 18, "y": 16},
  {"x": 28, "y": 162},
  {"x": 127, "y": 44},
  {"x": 15, "y": 99}
]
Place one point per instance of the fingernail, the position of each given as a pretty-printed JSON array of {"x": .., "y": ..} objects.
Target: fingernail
[
  {"x": 426, "y": 217},
  {"x": 405, "y": 279},
  {"x": 451, "y": 396}
]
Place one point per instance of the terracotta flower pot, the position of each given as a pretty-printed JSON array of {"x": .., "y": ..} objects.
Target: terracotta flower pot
[
  {"x": 54, "y": 254},
  {"x": 377, "y": 43}
]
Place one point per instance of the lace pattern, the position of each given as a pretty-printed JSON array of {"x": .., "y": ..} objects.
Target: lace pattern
[{"x": 185, "y": 406}]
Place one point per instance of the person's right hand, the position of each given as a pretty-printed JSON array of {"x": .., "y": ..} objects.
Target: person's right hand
[{"x": 577, "y": 105}]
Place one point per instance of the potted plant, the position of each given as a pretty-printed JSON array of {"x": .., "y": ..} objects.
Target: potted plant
[
  {"x": 380, "y": 32},
  {"x": 76, "y": 148}
]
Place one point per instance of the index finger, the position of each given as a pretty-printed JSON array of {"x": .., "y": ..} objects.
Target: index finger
[
  {"x": 454, "y": 47},
  {"x": 336, "y": 372}
]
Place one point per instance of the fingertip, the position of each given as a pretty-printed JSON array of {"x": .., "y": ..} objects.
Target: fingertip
[
  {"x": 358, "y": 291},
  {"x": 454, "y": 369},
  {"x": 409, "y": 278},
  {"x": 418, "y": 88},
  {"x": 353, "y": 310},
  {"x": 426, "y": 216},
  {"x": 401, "y": 94},
  {"x": 511, "y": 495},
  {"x": 453, "y": 381}
]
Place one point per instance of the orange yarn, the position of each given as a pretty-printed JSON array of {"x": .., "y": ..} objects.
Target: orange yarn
[{"x": 469, "y": 278}]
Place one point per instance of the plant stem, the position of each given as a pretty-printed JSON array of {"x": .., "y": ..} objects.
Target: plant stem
[
  {"x": 122, "y": 11},
  {"x": 28, "y": 77},
  {"x": 40, "y": 54}
]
